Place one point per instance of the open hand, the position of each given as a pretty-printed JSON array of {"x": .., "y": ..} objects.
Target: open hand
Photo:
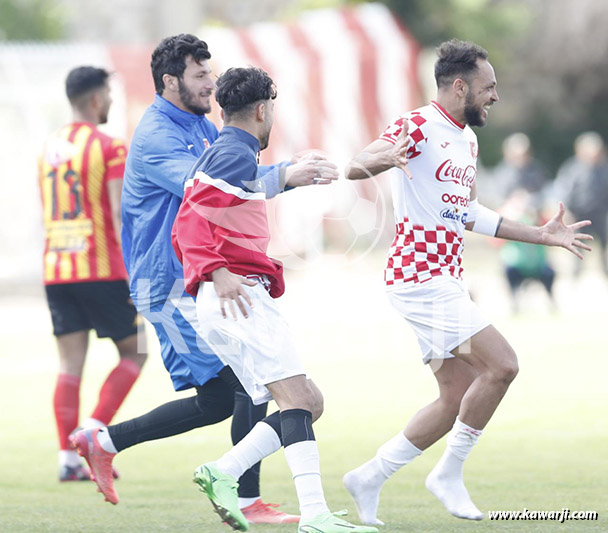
[
  {"x": 399, "y": 150},
  {"x": 312, "y": 168},
  {"x": 556, "y": 233}
]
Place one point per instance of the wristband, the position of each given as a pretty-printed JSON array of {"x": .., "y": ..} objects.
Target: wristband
[{"x": 485, "y": 221}]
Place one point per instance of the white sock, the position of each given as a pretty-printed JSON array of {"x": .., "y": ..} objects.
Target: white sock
[
  {"x": 246, "y": 502},
  {"x": 364, "y": 483},
  {"x": 260, "y": 442},
  {"x": 446, "y": 480},
  {"x": 303, "y": 460},
  {"x": 462, "y": 438},
  {"x": 396, "y": 453},
  {"x": 69, "y": 458},
  {"x": 92, "y": 423},
  {"x": 105, "y": 441}
]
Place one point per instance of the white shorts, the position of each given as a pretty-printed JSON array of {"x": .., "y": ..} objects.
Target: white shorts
[
  {"x": 259, "y": 349},
  {"x": 442, "y": 314}
]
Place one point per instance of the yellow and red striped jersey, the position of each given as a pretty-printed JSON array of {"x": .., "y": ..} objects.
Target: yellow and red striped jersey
[{"x": 74, "y": 169}]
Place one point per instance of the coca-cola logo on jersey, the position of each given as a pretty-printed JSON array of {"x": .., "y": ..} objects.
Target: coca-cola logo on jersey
[{"x": 448, "y": 171}]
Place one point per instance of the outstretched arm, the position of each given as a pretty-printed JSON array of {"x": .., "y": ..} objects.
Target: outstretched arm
[
  {"x": 305, "y": 168},
  {"x": 380, "y": 155},
  {"x": 554, "y": 233},
  {"x": 310, "y": 168}
]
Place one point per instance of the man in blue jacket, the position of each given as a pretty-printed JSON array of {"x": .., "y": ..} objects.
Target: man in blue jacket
[{"x": 171, "y": 136}]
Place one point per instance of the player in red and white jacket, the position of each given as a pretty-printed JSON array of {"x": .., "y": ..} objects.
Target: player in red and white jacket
[
  {"x": 220, "y": 235},
  {"x": 433, "y": 154}
]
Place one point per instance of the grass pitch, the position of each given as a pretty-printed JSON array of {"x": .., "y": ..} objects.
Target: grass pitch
[{"x": 545, "y": 449}]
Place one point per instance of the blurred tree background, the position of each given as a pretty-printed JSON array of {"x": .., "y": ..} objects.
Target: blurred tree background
[
  {"x": 551, "y": 61},
  {"x": 551, "y": 56},
  {"x": 31, "y": 20}
]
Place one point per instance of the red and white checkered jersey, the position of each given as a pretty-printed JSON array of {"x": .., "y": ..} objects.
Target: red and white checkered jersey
[{"x": 430, "y": 209}]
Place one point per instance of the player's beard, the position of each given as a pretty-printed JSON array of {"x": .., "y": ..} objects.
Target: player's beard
[
  {"x": 473, "y": 114},
  {"x": 265, "y": 138},
  {"x": 189, "y": 100},
  {"x": 264, "y": 141}
]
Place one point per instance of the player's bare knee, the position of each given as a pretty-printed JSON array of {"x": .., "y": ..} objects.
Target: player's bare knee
[
  {"x": 510, "y": 371},
  {"x": 297, "y": 393},
  {"x": 506, "y": 371},
  {"x": 510, "y": 366},
  {"x": 318, "y": 407},
  {"x": 310, "y": 399},
  {"x": 308, "y": 403},
  {"x": 317, "y": 399}
]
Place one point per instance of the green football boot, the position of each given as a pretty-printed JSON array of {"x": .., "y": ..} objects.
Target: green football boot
[
  {"x": 331, "y": 523},
  {"x": 221, "y": 489}
]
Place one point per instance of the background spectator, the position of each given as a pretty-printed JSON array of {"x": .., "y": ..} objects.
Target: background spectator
[
  {"x": 524, "y": 262},
  {"x": 520, "y": 170},
  {"x": 582, "y": 183}
]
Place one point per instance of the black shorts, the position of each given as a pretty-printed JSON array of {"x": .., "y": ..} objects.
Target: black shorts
[{"x": 104, "y": 306}]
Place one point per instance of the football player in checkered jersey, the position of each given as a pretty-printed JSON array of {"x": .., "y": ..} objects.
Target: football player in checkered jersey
[{"x": 433, "y": 154}]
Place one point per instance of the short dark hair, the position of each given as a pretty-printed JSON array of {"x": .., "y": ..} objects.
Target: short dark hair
[
  {"x": 169, "y": 57},
  {"x": 457, "y": 59},
  {"x": 82, "y": 80},
  {"x": 238, "y": 89}
]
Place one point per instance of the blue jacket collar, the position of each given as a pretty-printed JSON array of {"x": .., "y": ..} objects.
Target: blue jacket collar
[
  {"x": 183, "y": 118},
  {"x": 241, "y": 135}
]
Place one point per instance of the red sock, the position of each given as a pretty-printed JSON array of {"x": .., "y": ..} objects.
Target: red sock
[
  {"x": 115, "y": 389},
  {"x": 65, "y": 404}
]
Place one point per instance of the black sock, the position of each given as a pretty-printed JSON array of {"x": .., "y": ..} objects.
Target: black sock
[
  {"x": 296, "y": 426},
  {"x": 246, "y": 415},
  {"x": 213, "y": 403}
]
